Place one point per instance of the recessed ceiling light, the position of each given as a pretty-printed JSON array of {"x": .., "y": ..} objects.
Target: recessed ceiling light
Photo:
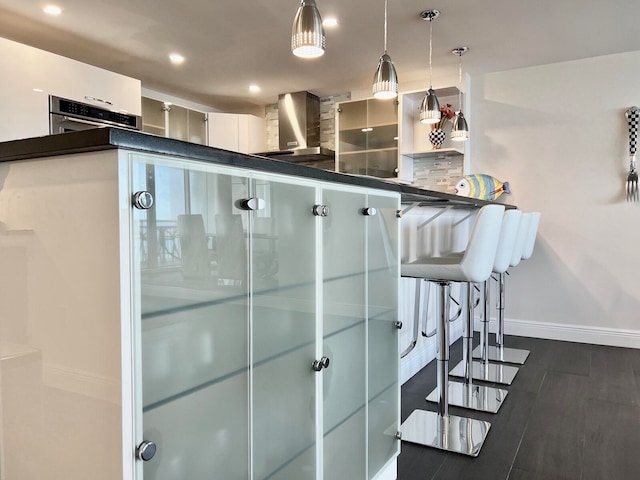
[
  {"x": 52, "y": 10},
  {"x": 330, "y": 22},
  {"x": 254, "y": 88},
  {"x": 176, "y": 58},
  {"x": 37, "y": 90}
]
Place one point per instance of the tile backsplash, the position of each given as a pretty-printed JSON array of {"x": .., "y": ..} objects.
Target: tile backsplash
[{"x": 440, "y": 173}]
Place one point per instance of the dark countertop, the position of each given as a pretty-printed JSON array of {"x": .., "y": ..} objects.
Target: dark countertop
[{"x": 114, "y": 138}]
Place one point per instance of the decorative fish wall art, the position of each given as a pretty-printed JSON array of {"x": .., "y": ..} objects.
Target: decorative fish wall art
[{"x": 481, "y": 186}]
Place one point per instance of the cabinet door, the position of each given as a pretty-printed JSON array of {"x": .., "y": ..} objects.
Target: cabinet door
[
  {"x": 283, "y": 329},
  {"x": 192, "y": 280},
  {"x": 344, "y": 335},
  {"x": 382, "y": 312}
]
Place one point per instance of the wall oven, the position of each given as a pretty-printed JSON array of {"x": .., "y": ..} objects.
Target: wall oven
[{"x": 70, "y": 116}]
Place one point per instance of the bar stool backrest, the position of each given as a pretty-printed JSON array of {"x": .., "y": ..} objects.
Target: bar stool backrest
[
  {"x": 532, "y": 231},
  {"x": 507, "y": 242},
  {"x": 521, "y": 239},
  {"x": 478, "y": 258}
]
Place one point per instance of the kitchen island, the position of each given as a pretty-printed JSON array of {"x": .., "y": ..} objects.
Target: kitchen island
[{"x": 176, "y": 311}]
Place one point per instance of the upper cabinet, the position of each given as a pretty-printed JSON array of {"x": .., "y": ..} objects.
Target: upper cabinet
[
  {"x": 237, "y": 132},
  {"x": 367, "y": 142},
  {"x": 174, "y": 121},
  {"x": 31, "y": 75}
]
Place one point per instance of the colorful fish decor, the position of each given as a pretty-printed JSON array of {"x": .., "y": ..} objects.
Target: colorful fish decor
[{"x": 483, "y": 187}]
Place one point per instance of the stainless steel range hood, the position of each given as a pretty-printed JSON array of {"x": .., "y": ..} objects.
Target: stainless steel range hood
[{"x": 299, "y": 130}]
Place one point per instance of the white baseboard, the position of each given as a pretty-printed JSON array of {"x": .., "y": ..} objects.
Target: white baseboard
[
  {"x": 614, "y": 337},
  {"x": 425, "y": 352}
]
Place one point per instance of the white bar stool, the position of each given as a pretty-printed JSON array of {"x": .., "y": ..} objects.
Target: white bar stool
[
  {"x": 512, "y": 237},
  {"x": 468, "y": 395},
  {"x": 500, "y": 353},
  {"x": 439, "y": 429}
]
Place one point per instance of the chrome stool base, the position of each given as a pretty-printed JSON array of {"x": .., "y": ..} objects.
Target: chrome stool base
[
  {"x": 488, "y": 372},
  {"x": 451, "y": 433},
  {"x": 473, "y": 397},
  {"x": 504, "y": 354}
]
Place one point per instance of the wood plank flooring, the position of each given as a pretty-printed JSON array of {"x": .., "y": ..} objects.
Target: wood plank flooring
[{"x": 572, "y": 413}]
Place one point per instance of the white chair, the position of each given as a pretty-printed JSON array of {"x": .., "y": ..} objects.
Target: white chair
[
  {"x": 466, "y": 394},
  {"x": 500, "y": 353},
  {"x": 439, "y": 429},
  {"x": 484, "y": 370}
]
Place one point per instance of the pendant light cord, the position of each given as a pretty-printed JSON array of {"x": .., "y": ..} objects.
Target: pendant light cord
[
  {"x": 460, "y": 81},
  {"x": 385, "y": 26},
  {"x": 430, "y": 52}
]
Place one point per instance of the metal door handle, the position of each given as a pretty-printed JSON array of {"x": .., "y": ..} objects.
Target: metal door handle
[
  {"x": 253, "y": 203},
  {"x": 318, "y": 365},
  {"x": 320, "y": 210},
  {"x": 146, "y": 450}
]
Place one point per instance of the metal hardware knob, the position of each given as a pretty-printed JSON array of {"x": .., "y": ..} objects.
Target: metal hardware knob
[
  {"x": 399, "y": 435},
  {"x": 398, "y": 324},
  {"x": 320, "y": 210},
  {"x": 143, "y": 200},
  {"x": 398, "y": 213},
  {"x": 253, "y": 203},
  {"x": 318, "y": 365},
  {"x": 146, "y": 450},
  {"x": 369, "y": 211}
]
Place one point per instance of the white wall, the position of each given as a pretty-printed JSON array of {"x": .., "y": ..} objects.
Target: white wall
[{"x": 558, "y": 134}]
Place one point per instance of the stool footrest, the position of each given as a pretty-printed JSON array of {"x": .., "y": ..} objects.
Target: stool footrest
[
  {"x": 491, "y": 372},
  {"x": 473, "y": 397},
  {"x": 504, "y": 354},
  {"x": 451, "y": 433}
]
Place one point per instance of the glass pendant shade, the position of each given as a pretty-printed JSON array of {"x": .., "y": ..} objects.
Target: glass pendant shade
[
  {"x": 459, "y": 129},
  {"x": 307, "y": 35},
  {"x": 430, "y": 108},
  {"x": 385, "y": 80}
]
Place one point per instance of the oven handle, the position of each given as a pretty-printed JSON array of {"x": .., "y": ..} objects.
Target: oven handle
[{"x": 85, "y": 122}]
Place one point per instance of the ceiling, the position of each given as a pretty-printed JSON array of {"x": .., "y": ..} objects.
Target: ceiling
[{"x": 229, "y": 45}]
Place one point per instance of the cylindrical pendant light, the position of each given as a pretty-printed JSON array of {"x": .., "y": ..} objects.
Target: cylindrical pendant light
[
  {"x": 430, "y": 108},
  {"x": 385, "y": 80},
  {"x": 460, "y": 128},
  {"x": 307, "y": 35}
]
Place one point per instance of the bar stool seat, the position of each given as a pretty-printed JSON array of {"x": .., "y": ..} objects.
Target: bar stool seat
[{"x": 439, "y": 429}]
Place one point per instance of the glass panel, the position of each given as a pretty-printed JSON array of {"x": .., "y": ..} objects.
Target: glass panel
[
  {"x": 344, "y": 334},
  {"x": 153, "y": 116},
  {"x": 197, "y": 127},
  {"x": 283, "y": 266},
  {"x": 192, "y": 274},
  {"x": 383, "y": 358},
  {"x": 178, "y": 123}
]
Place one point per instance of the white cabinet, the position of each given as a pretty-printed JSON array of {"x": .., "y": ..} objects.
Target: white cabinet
[
  {"x": 31, "y": 75},
  {"x": 237, "y": 132},
  {"x": 195, "y": 323}
]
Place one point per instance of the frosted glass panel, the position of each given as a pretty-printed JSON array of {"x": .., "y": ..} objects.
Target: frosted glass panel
[
  {"x": 192, "y": 273},
  {"x": 383, "y": 395},
  {"x": 344, "y": 334},
  {"x": 283, "y": 271}
]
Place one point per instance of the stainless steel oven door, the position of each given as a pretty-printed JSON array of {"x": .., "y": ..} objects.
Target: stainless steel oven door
[{"x": 63, "y": 123}]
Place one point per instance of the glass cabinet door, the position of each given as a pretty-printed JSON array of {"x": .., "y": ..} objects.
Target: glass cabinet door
[
  {"x": 192, "y": 279},
  {"x": 283, "y": 329},
  {"x": 344, "y": 335},
  {"x": 383, "y": 353}
]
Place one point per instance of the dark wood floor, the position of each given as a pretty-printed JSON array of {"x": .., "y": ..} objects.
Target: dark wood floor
[{"x": 572, "y": 413}]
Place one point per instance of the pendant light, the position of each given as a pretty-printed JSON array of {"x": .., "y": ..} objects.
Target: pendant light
[
  {"x": 460, "y": 129},
  {"x": 307, "y": 35},
  {"x": 430, "y": 108},
  {"x": 385, "y": 80}
]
